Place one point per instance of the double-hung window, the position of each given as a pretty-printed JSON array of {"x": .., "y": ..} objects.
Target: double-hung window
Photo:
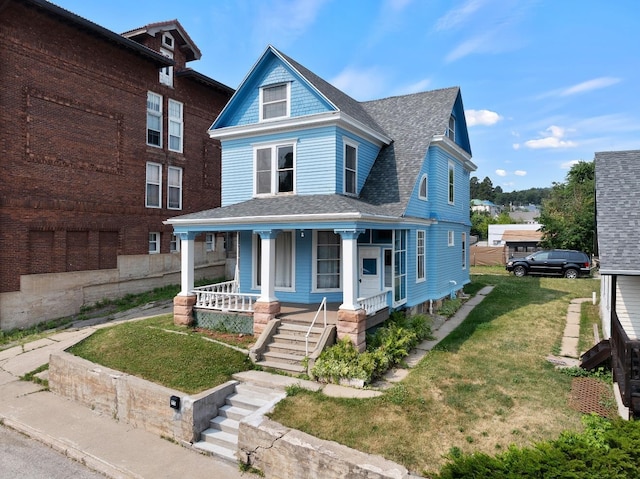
[
  {"x": 451, "y": 184},
  {"x": 174, "y": 188},
  {"x": 451, "y": 129},
  {"x": 154, "y": 186},
  {"x": 210, "y": 242},
  {"x": 154, "y": 119},
  {"x": 175, "y": 126},
  {"x": 327, "y": 260},
  {"x": 463, "y": 242},
  {"x": 274, "y": 169},
  {"x": 154, "y": 243},
  {"x": 274, "y": 101},
  {"x": 350, "y": 168},
  {"x": 420, "y": 255}
]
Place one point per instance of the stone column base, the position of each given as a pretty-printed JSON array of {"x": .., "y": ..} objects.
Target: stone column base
[
  {"x": 183, "y": 310},
  {"x": 352, "y": 324},
  {"x": 264, "y": 312}
]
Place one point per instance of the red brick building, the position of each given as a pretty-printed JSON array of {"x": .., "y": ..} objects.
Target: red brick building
[{"x": 102, "y": 137}]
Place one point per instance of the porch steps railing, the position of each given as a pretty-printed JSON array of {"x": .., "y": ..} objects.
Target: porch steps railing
[{"x": 288, "y": 348}]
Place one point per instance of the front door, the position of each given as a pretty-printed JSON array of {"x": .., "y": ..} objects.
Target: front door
[{"x": 370, "y": 276}]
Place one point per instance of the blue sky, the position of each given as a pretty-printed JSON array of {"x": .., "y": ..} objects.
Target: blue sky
[{"x": 545, "y": 83}]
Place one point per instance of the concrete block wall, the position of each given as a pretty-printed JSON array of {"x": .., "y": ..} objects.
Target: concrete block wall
[{"x": 135, "y": 401}]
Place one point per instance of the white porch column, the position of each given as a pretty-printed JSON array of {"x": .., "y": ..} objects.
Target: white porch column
[
  {"x": 268, "y": 265},
  {"x": 187, "y": 263},
  {"x": 349, "y": 268}
]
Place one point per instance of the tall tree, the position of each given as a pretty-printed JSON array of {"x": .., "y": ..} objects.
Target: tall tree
[{"x": 568, "y": 214}]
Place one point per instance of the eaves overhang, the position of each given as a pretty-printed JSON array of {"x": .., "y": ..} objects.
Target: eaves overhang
[
  {"x": 455, "y": 150},
  {"x": 336, "y": 118},
  {"x": 619, "y": 272}
]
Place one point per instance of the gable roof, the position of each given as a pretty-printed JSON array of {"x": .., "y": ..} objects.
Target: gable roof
[
  {"x": 618, "y": 211},
  {"x": 183, "y": 40}
]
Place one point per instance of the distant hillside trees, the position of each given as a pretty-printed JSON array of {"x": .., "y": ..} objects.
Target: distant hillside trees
[
  {"x": 568, "y": 215},
  {"x": 484, "y": 190}
]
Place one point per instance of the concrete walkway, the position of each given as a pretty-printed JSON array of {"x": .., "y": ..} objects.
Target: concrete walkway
[{"x": 569, "y": 354}]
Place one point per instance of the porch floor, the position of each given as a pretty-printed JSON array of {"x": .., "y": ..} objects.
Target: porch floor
[{"x": 306, "y": 312}]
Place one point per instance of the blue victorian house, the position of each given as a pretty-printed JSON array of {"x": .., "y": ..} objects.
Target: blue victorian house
[{"x": 364, "y": 205}]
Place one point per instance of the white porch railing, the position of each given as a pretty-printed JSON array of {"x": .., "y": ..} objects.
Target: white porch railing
[
  {"x": 224, "y": 297},
  {"x": 373, "y": 304}
]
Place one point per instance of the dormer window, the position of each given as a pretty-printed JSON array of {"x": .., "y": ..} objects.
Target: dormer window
[
  {"x": 451, "y": 130},
  {"x": 274, "y": 101},
  {"x": 350, "y": 168},
  {"x": 167, "y": 41}
]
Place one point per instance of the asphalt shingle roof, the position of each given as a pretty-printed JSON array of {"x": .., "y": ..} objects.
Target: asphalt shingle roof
[
  {"x": 410, "y": 121},
  {"x": 618, "y": 211}
]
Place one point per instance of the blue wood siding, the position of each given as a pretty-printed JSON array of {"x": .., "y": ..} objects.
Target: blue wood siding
[{"x": 245, "y": 111}]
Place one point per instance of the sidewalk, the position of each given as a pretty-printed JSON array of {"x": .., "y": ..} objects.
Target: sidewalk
[
  {"x": 112, "y": 448},
  {"x": 118, "y": 450}
]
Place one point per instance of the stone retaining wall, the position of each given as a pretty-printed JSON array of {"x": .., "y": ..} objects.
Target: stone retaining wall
[
  {"x": 138, "y": 402},
  {"x": 286, "y": 453}
]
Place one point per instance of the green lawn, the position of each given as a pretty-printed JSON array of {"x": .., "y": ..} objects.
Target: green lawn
[
  {"x": 484, "y": 387},
  {"x": 156, "y": 350}
]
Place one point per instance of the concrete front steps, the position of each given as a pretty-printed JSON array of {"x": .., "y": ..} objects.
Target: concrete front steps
[
  {"x": 221, "y": 438},
  {"x": 287, "y": 350}
]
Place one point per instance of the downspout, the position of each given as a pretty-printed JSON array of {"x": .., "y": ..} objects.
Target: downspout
[{"x": 452, "y": 295}]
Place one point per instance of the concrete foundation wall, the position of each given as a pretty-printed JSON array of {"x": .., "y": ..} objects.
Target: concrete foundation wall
[
  {"x": 137, "y": 402},
  {"x": 55, "y": 295},
  {"x": 286, "y": 453}
]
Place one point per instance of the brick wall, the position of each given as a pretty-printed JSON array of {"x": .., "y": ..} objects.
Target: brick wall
[{"x": 73, "y": 144}]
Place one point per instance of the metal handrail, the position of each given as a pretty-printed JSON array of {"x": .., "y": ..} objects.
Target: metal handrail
[{"x": 323, "y": 305}]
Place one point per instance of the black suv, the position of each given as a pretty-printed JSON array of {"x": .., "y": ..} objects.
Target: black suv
[{"x": 558, "y": 262}]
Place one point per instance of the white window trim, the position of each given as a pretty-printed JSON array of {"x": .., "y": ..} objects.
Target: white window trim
[
  {"x": 174, "y": 245},
  {"x": 254, "y": 268},
  {"x": 147, "y": 182},
  {"x": 451, "y": 132},
  {"x": 287, "y": 99},
  {"x": 423, "y": 179},
  {"x": 169, "y": 186},
  {"x": 156, "y": 114},
  {"x": 179, "y": 121},
  {"x": 166, "y": 73},
  {"x": 422, "y": 233},
  {"x": 274, "y": 167},
  {"x": 451, "y": 184},
  {"x": 210, "y": 245},
  {"x": 463, "y": 244},
  {"x": 349, "y": 143},
  {"x": 166, "y": 35},
  {"x": 451, "y": 238},
  {"x": 156, "y": 250},
  {"x": 314, "y": 268}
]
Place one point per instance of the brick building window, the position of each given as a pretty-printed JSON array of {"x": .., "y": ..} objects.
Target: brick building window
[
  {"x": 174, "y": 188},
  {"x": 154, "y": 185},
  {"x": 154, "y": 243},
  {"x": 154, "y": 119},
  {"x": 175, "y": 126}
]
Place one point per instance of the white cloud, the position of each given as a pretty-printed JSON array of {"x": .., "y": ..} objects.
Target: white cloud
[
  {"x": 520, "y": 173},
  {"x": 360, "y": 84},
  {"x": 482, "y": 117},
  {"x": 568, "y": 164},
  {"x": 458, "y": 16},
  {"x": 552, "y": 140},
  {"x": 590, "y": 85},
  {"x": 501, "y": 173},
  {"x": 283, "y": 21}
]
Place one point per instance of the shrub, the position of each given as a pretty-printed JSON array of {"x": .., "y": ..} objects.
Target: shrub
[{"x": 386, "y": 348}]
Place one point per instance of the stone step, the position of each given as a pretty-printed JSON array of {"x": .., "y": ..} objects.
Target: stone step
[
  {"x": 277, "y": 356},
  {"x": 246, "y": 401},
  {"x": 216, "y": 450},
  {"x": 288, "y": 368},
  {"x": 234, "y": 412},
  {"x": 225, "y": 424},
  {"x": 221, "y": 438},
  {"x": 300, "y": 329},
  {"x": 294, "y": 339},
  {"x": 294, "y": 348}
]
